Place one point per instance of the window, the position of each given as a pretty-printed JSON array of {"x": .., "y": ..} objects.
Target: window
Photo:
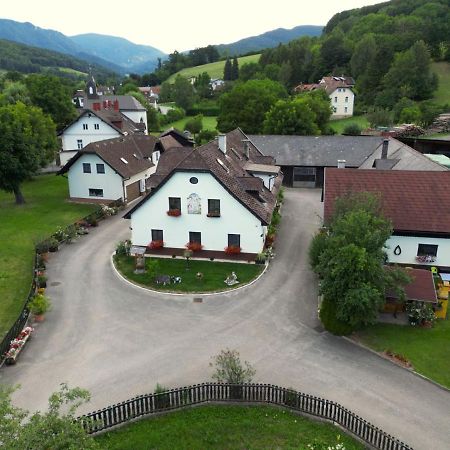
[
  {"x": 334, "y": 109},
  {"x": 345, "y": 109},
  {"x": 234, "y": 240},
  {"x": 427, "y": 250},
  {"x": 346, "y": 99},
  {"x": 157, "y": 235},
  {"x": 96, "y": 126},
  {"x": 335, "y": 99},
  {"x": 95, "y": 192},
  {"x": 86, "y": 168},
  {"x": 85, "y": 126},
  {"x": 80, "y": 143},
  {"x": 305, "y": 174},
  {"x": 195, "y": 236},
  {"x": 213, "y": 208},
  {"x": 100, "y": 168},
  {"x": 174, "y": 203},
  {"x": 193, "y": 180}
]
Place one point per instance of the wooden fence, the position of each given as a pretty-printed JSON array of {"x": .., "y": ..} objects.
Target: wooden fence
[{"x": 148, "y": 404}]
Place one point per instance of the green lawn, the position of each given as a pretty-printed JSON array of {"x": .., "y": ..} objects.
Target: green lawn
[
  {"x": 215, "y": 70},
  {"x": 442, "y": 94},
  {"x": 226, "y": 427},
  {"x": 339, "y": 125},
  {"x": 209, "y": 123},
  {"x": 427, "y": 349},
  {"x": 21, "y": 226},
  {"x": 213, "y": 280}
]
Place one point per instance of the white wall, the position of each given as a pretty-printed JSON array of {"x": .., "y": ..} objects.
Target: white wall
[
  {"x": 136, "y": 116},
  {"x": 75, "y": 131},
  {"x": 341, "y": 104},
  {"x": 409, "y": 246},
  {"x": 145, "y": 174},
  {"x": 79, "y": 182},
  {"x": 235, "y": 218},
  {"x": 65, "y": 156}
]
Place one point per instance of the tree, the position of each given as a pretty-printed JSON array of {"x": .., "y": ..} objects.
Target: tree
[
  {"x": 183, "y": 92},
  {"x": 350, "y": 260},
  {"x": 250, "y": 71},
  {"x": 235, "y": 69},
  {"x": 52, "y": 429},
  {"x": 306, "y": 114},
  {"x": 202, "y": 85},
  {"x": 53, "y": 96},
  {"x": 246, "y": 104},
  {"x": 194, "y": 125},
  {"x": 228, "y": 70},
  {"x": 229, "y": 368},
  {"x": 27, "y": 143}
]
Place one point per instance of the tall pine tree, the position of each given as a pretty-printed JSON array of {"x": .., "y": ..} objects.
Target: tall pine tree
[
  {"x": 228, "y": 70},
  {"x": 235, "y": 69}
]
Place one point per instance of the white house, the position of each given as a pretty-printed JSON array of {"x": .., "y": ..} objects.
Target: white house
[
  {"x": 206, "y": 196},
  {"x": 415, "y": 201},
  {"x": 340, "y": 91},
  {"x": 112, "y": 169}
]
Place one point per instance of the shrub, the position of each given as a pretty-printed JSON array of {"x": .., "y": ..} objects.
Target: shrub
[
  {"x": 42, "y": 281},
  {"x": 329, "y": 320},
  {"x": 175, "y": 114},
  {"x": 230, "y": 369},
  {"x": 92, "y": 221},
  {"x": 420, "y": 313},
  {"x": 40, "y": 263},
  {"x": 60, "y": 235},
  {"x": 42, "y": 247},
  {"x": 40, "y": 304},
  {"x": 317, "y": 246},
  {"x": 352, "y": 129},
  {"x": 276, "y": 218},
  {"x": 53, "y": 244},
  {"x": 123, "y": 248},
  {"x": 280, "y": 195},
  {"x": 151, "y": 266},
  {"x": 162, "y": 399},
  {"x": 270, "y": 238}
]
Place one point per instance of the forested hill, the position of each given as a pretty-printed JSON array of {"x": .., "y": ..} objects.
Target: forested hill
[
  {"x": 269, "y": 39},
  {"x": 387, "y": 47},
  {"x": 26, "y": 59}
]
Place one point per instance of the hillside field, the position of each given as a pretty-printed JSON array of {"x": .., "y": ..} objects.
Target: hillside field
[
  {"x": 442, "y": 94},
  {"x": 215, "y": 70}
]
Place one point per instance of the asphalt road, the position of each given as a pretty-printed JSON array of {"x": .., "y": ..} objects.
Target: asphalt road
[{"x": 118, "y": 341}]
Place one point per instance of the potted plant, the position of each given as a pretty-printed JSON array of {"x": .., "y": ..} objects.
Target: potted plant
[
  {"x": 38, "y": 306},
  {"x": 174, "y": 212},
  {"x": 42, "y": 248},
  {"x": 53, "y": 245},
  {"x": 41, "y": 280},
  {"x": 155, "y": 245},
  {"x": 232, "y": 250},
  {"x": 194, "y": 246}
]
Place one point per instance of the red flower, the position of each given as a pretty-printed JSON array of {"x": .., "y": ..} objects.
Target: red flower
[
  {"x": 232, "y": 250},
  {"x": 155, "y": 245},
  {"x": 194, "y": 246},
  {"x": 174, "y": 212}
]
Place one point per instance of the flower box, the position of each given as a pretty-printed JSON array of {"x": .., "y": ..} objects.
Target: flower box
[
  {"x": 174, "y": 212},
  {"x": 213, "y": 214},
  {"x": 194, "y": 246},
  {"x": 232, "y": 250},
  {"x": 154, "y": 245},
  {"x": 17, "y": 345},
  {"x": 425, "y": 258}
]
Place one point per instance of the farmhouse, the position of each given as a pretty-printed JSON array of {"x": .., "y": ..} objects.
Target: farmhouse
[
  {"x": 112, "y": 169},
  {"x": 216, "y": 196},
  {"x": 303, "y": 159},
  {"x": 415, "y": 201}
]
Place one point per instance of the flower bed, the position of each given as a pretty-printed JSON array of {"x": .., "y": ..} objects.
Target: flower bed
[{"x": 17, "y": 345}]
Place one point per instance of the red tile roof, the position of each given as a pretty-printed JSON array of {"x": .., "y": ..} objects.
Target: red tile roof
[
  {"x": 421, "y": 287},
  {"x": 415, "y": 201}
]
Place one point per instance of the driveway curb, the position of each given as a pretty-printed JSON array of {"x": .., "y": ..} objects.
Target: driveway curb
[
  {"x": 380, "y": 355},
  {"x": 186, "y": 294}
]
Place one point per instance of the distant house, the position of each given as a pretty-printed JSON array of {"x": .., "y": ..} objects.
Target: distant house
[
  {"x": 218, "y": 195},
  {"x": 151, "y": 93},
  {"x": 175, "y": 138},
  {"x": 303, "y": 159},
  {"x": 340, "y": 91},
  {"x": 93, "y": 126},
  {"x": 217, "y": 84},
  {"x": 415, "y": 201},
  {"x": 112, "y": 169}
]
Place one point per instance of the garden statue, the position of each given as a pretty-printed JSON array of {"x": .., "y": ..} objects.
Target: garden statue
[{"x": 231, "y": 279}]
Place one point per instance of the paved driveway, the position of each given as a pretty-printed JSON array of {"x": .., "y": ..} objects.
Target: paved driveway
[{"x": 118, "y": 341}]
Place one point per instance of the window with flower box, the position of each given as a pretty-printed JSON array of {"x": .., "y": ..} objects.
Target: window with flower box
[
  {"x": 426, "y": 253},
  {"x": 157, "y": 235},
  {"x": 213, "y": 207},
  {"x": 174, "y": 206}
]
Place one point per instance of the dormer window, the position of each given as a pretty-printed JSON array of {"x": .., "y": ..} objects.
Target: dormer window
[
  {"x": 124, "y": 160},
  {"x": 222, "y": 164}
]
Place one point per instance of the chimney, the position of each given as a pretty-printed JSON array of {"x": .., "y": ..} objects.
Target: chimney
[
  {"x": 384, "y": 149},
  {"x": 341, "y": 163},
  {"x": 105, "y": 104},
  {"x": 222, "y": 138},
  {"x": 246, "y": 148},
  {"x": 117, "y": 124},
  {"x": 116, "y": 105}
]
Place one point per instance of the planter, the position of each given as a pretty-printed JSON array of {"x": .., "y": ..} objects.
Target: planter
[
  {"x": 38, "y": 317},
  {"x": 174, "y": 212},
  {"x": 232, "y": 250},
  {"x": 155, "y": 245},
  {"x": 194, "y": 246}
]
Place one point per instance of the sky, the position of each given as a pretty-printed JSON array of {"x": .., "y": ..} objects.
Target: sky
[{"x": 178, "y": 24}]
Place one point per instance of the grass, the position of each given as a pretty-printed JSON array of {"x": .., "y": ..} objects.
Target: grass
[
  {"x": 339, "y": 125},
  {"x": 226, "y": 427},
  {"x": 209, "y": 123},
  {"x": 442, "y": 94},
  {"x": 21, "y": 227},
  {"x": 215, "y": 69},
  {"x": 213, "y": 280},
  {"x": 426, "y": 348},
  {"x": 72, "y": 71}
]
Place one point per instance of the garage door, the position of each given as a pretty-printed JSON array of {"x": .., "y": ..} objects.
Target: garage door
[{"x": 133, "y": 191}]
